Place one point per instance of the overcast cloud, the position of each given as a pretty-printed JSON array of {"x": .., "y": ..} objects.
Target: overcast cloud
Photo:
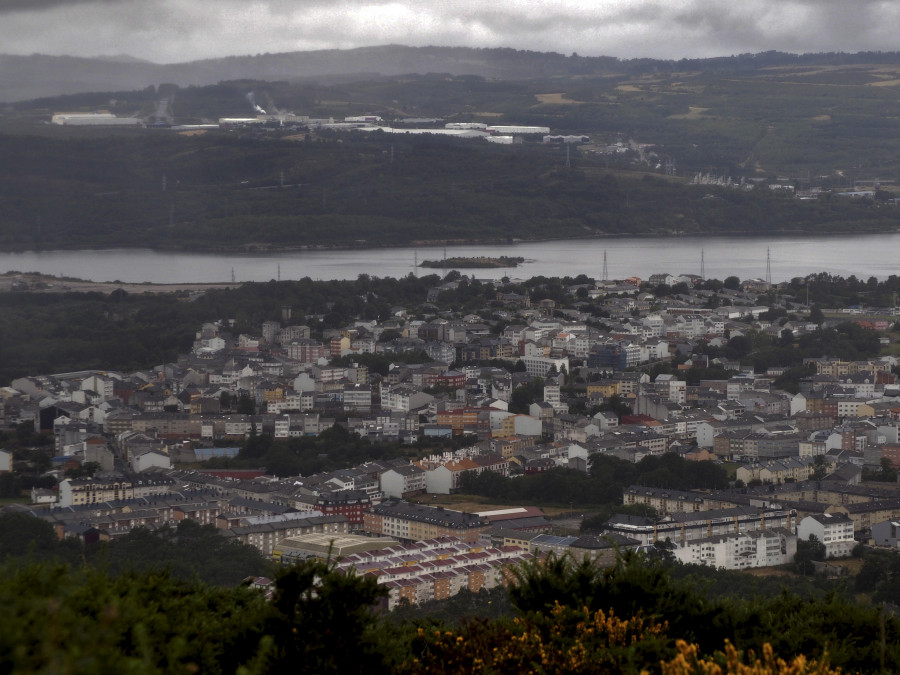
[{"x": 167, "y": 31}]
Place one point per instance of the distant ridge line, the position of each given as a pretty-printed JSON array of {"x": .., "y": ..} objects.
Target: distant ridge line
[{"x": 36, "y": 76}]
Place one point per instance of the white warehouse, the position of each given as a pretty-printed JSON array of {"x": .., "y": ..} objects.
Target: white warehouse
[
  {"x": 517, "y": 131},
  {"x": 94, "y": 119},
  {"x": 746, "y": 550}
]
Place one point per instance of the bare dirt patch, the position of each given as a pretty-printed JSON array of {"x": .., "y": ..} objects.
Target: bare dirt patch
[
  {"x": 692, "y": 114},
  {"x": 769, "y": 572},
  {"x": 555, "y": 99},
  {"x": 466, "y": 503}
]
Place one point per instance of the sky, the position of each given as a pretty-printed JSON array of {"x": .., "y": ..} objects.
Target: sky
[{"x": 173, "y": 31}]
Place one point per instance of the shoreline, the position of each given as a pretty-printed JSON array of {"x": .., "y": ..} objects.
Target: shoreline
[
  {"x": 846, "y": 255},
  {"x": 46, "y": 283},
  {"x": 262, "y": 248}
]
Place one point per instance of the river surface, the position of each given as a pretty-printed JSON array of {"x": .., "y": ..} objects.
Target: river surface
[{"x": 745, "y": 257}]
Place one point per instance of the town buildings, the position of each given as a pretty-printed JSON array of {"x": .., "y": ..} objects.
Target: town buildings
[
  {"x": 539, "y": 386},
  {"x": 835, "y": 530},
  {"x": 413, "y": 522}
]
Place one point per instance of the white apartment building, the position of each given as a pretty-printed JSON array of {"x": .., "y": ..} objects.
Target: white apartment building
[
  {"x": 740, "y": 551},
  {"x": 552, "y": 396},
  {"x": 402, "y": 481},
  {"x": 835, "y": 530},
  {"x": 539, "y": 366},
  {"x": 302, "y": 401},
  {"x": 403, "y": 398}
]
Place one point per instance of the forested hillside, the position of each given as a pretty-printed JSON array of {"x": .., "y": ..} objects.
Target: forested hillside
[
  {"x": 818, "y": 123},
  {"x": 223, "y": 191}
]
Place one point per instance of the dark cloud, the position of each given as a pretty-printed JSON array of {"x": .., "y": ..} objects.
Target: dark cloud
[
  {"x": 178, "y": 30},
  {"x": 7, "y": 6}
]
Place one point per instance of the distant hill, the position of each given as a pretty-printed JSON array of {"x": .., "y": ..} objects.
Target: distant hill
[
  {"x": 36, "y": 76},
  {"x": 661, "y": 137}
]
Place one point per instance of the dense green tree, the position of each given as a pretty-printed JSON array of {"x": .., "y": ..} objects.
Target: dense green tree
[
  {"x": 886, "y": 473},
  {"x": 789, "y": 380},
  {"x": 313, "y": 600},
  {"x": 246, "y": 405},
  {"x": 22, "y": 534},
  {"x": 10, "y": 485},
  {"x": 738, "y": 347},
  {"x": 190, "y": 551},
  {"x": 88, "y": 622},
  {"x": 526, "y": 394},
  {"x": 617, "y": 405},
  {"x": 820, "y": 468},
  {"x": 601, "y": 487},
  {"x": 878, "y": 567},
  {"x": 581, "y": 616},
  {"x": 808, "y": 551}
]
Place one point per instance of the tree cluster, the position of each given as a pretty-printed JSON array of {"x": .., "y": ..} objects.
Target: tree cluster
[
  {"x": 188, "y": 552},
  {"x": 567, "y": 616},
  {"x": 602, "y": 486}
]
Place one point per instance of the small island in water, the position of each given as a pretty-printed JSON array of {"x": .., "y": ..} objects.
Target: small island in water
[{"x": 478, "y": 262}]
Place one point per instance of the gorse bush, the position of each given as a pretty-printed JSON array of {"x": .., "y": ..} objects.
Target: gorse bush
[{"x": 568, "y": 616}]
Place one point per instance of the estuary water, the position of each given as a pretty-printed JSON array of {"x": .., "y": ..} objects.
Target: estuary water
[{"x": 718, "y": 257}]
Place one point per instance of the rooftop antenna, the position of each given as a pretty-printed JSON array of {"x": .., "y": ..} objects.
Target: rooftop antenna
[
  {"x": 702, "y": 265},
  {"x": 768, "y": 267},
  {"x": 605, "y": 269}
]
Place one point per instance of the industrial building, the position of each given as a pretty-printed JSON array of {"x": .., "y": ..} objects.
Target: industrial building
[
  {"x": 466, "y": 125},
  {"x": 279, "y": 118},
  {"x": 457, "y": 133},
  {"x": 563, "y": 140},
  {"x": 241, "y": 121},
  {"x": 517, "y": 131},
  {"x": 368, "y": 119},
  {"x": 94, "y": 119}
]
